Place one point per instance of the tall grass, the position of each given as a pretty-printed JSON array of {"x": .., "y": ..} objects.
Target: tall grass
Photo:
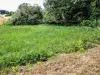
[
  {"x": 3, "y": 20},
  {"x": 20, "y": 45}
]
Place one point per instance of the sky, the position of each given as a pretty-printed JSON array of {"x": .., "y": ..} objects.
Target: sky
[{"x": 12, "y": 5}]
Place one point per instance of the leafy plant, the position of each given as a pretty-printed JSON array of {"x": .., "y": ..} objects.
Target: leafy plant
[
  {"x": 20, "y": 45},
  {"x": 88, "y": 23},
  {"x": 27, "y": 14}
]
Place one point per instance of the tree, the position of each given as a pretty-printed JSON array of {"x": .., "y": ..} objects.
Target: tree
[
  {"x": 97, "y": 8},
  {"x": 4, "y": 12},
  {"x": 66, "y": 11},
  {"x": 27, "y": 14}
]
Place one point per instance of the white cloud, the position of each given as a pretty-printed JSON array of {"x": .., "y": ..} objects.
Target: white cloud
[{"x": 12, "y": 5}]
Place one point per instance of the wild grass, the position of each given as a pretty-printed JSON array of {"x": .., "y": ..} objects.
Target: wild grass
[
  {"x": 20, "y": 45},
  {"x": 3, "y": 20}
]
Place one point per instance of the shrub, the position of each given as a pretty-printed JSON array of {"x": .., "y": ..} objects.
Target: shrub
[
  {"x": 88, "y": 23},
  {"x": 27, "y": 15}
]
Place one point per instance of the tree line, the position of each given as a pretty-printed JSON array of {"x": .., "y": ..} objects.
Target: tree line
[
  {"x": 7, "y": 13},
  {"x": 57, "y": 12}
]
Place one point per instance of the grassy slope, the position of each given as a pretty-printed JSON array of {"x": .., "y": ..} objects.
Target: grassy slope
[{"x": 23, "y": 44}]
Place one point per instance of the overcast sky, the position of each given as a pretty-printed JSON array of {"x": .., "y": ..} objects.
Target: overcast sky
[{"x": 12, "y": 5}]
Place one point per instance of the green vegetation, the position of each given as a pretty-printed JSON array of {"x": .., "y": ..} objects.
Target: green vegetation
[
  {"x": 20, "y": 45},
  {"x": 71, "y": 11},
  {"x": 58, "y": 12},
  {"x": 27, "y": 15},
  {"x": 66, "y": 26},
  {"x": 67, "y": 11}
]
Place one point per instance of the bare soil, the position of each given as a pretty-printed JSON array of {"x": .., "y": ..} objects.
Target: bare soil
[{"x": 87, "y": 63}]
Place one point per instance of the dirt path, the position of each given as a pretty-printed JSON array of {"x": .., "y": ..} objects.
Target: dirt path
[{"x": 68, "y": 64}]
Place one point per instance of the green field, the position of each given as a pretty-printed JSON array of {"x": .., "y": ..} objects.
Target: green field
[{"x": 20, "y": 45}]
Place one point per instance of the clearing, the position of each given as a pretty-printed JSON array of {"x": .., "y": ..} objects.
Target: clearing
[{"x": 20, "y": 45}]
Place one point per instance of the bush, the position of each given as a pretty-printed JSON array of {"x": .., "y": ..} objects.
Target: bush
[
  {"x": 27, "y": 15},
  {"x": 88, "y": 23}
]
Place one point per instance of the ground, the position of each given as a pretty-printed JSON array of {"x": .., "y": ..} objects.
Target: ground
[{"x": 87, "y": 63}]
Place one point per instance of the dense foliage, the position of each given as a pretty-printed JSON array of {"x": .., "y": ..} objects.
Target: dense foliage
[
  {"x": 27, "y": 44},
  {"x": 58, "y": 12},
  {"x": 27, "y": 14},
  {"x": 66, "y": 11}
]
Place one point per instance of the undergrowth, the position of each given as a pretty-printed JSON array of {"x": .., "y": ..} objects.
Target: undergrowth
[{"x": 20, "y": 45}]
